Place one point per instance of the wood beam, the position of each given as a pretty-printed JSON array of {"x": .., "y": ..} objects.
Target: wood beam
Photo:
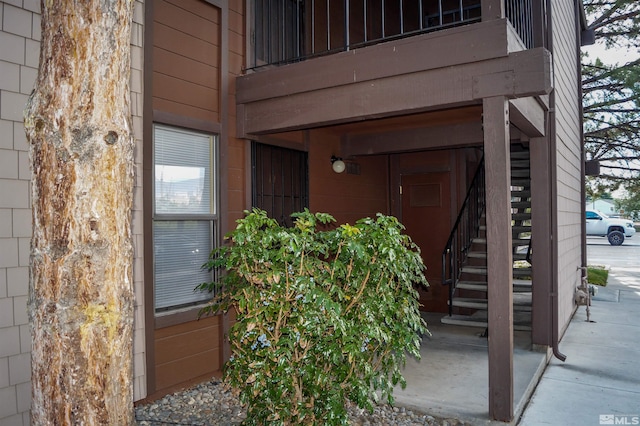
[
  {"x": 520, "y": 74},
  {"x": 528, "y": 115},
  {"x": 451, "y": 136},
  {"x": 499, "y": 257},
  {"x": 462, "y": 134},
  {"x": 541, "y": 243}
]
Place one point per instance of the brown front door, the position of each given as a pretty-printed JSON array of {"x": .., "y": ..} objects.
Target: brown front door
[{"x": 426, "y": 204}]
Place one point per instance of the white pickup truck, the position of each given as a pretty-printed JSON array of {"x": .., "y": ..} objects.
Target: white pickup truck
[{"x": 601, "y": 225}]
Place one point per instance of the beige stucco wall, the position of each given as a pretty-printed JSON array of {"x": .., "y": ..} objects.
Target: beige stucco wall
[
  {"x": 19, "y": 56},
  {"x": 568, "y": 166}
]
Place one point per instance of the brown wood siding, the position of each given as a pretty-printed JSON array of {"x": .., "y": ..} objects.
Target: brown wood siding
[
  {"x": 186, "y": 59},
  {"x": 187, "y": 351},
  {"x": 346, "y": 196},
  {"x": 237, "y": 156}
]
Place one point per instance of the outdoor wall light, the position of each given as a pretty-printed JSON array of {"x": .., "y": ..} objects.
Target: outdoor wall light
[{"x": 337, "y": 164}]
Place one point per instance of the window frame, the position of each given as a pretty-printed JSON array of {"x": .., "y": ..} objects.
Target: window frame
[{"x": 213, "y": 218}]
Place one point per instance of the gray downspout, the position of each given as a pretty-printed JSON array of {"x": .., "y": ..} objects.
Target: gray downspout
[{"x": 554, "y": 193}]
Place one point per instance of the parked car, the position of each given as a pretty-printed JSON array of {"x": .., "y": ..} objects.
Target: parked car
[{"x": 601, "y": 225}]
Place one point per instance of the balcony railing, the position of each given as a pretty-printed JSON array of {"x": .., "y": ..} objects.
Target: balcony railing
[
  {"x": 520, "y": 14},
  {"x": 293, "y": 30}
]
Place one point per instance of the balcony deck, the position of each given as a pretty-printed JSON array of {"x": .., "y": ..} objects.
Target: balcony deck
[
  {"x": 293, "y": 31},
  {"x": 440, "y": 70}
]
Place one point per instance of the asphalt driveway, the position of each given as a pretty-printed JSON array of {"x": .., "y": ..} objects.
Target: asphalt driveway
[{"x": 600, "y": 381}]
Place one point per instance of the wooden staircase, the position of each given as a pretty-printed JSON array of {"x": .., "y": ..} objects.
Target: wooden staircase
[{"x": 469, "y": 302}]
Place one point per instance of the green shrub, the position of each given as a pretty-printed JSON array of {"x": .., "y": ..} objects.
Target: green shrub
[
  {"x": 597, "y": 275},
  {"x": 322, "y": 316}
]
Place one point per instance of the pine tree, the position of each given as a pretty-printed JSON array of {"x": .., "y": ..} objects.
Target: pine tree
[
  {"x": 611, "y": 93},
  {"x": 78, "y": 124}
]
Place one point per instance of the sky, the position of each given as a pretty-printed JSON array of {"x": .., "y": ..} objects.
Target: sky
[{"x": 610, "y": 56}]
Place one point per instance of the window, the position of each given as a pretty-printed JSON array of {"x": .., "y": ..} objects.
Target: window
[
  {"x": 184, "y": 215},
  {"x": 593, "y": 215}
]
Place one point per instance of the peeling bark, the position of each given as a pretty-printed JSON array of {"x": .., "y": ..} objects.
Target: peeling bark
[{"x": 78, "y": 124}]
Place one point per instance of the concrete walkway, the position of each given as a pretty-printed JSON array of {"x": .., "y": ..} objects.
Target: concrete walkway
[
  {"x": 451, "y": 380},
  {"x": 599, "y": 383}
]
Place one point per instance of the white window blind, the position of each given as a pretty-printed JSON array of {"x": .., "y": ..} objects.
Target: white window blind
[
  {"x": 183, "y": 167},
  {"x": 184, "y": 220},
  {"x": 181, "y": 247}
]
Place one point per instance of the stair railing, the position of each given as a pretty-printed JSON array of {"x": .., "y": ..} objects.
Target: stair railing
[{"x": 465, "y": 229}]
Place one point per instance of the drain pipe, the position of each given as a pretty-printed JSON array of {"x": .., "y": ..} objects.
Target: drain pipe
[
  {"x": 554, "y": 191},
  {"x": 583, "y": 38}
]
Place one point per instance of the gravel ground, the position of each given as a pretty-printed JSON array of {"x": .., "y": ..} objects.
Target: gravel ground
[{"x": 213, "y": 403}]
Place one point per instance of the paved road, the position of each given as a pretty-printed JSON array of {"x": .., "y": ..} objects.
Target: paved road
[
  {"x": 600, "y": 252},
  {"x": 600, "y": 381}
]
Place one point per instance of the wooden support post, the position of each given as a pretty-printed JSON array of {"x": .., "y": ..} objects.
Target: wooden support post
[
  {"x": 492, "y": 9},
  {"x": 499, "y": 257},
  {"x": 541, "y": 243}
]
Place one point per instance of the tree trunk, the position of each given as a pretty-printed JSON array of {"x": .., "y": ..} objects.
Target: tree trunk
[{"x": 78, "y": 123}]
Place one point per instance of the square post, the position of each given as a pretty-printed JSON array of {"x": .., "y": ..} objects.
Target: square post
[
  {"x": 499, "y": 256},
  {"x": 541, "y": 243},
  {"x": 492, "y": 9}
]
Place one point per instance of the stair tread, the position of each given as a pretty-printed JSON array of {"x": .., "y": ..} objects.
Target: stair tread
[
  {"x": 477, "y": 254},
  {"x": 481, "y": 270},
  {"x": 480, "y": 322},
  {"x": 520, "y": 173},
  {"x": 475, "y": 282},
  {"x": 520, "y": 154},
  {"x": 483, "y": 255},
  {"x": 520, "y": 204},
  {"x": 521, "y": 302},
  {"x": 519, "y": 286}
]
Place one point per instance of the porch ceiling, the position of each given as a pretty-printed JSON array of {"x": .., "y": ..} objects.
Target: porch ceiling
[{"x": 394, "y": 79}]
